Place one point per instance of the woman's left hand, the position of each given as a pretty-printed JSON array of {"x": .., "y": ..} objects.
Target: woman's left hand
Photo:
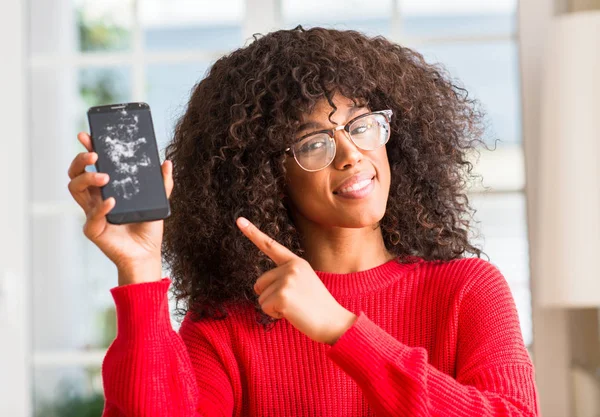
[{"x": 293, "y": 291}]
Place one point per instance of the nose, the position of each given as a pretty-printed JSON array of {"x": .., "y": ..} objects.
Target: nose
[{"x": 347, "y": 154}]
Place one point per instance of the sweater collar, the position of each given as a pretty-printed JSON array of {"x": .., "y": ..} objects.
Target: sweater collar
[{"x": 369, "y": 280}]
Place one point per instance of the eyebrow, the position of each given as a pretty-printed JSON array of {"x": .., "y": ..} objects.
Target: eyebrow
[{"x": 316, "y": 125}]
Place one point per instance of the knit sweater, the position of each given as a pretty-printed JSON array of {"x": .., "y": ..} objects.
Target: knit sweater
[{"x": 430, "y": 339}]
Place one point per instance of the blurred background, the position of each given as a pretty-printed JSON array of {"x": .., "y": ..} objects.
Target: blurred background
[{"x": 62, "y": 56}]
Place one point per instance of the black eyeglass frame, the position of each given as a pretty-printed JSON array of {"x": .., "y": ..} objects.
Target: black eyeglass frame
[{"x": 331, "y": 132}]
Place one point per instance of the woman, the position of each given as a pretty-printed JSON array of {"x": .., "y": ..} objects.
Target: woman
[{"x": 317, "y": 244}]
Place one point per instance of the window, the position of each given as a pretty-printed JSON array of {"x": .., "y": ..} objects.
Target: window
[{"x": 85, "y": 53}]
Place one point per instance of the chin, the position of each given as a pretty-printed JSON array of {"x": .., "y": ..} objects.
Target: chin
[
  {"x": 349, "y": 216},
  {"x": 359, "y": 220}
]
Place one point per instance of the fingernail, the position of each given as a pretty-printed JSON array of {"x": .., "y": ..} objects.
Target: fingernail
[{"x": 243, "y": 222}]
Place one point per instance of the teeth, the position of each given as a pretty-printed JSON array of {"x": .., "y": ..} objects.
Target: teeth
[{"x": 356, "y": 186}]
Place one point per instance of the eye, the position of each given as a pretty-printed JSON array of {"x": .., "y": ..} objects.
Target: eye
[
  {"x": 363, "y": 127},
  {"x": 313, "y": 145},
  {"x": 360, "y": 129}
]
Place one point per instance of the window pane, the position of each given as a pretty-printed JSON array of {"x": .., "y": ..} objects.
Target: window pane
[
  {"x": 458, "y": 18},
  {"x": 490, "y": 73},
  {"x": 168, "y": 91},
  {"x": 191, "y": 24},
  {"x": 68, "y": 392},
  {"x": 62, "y": 27},
  {"x": 504, "y": 239},
  {"x": 99, "y": 86},
  {"x": 59, "y": 101},
  {"x": 372, "y": 17},
  {"x": 72, "y": 307},
  {"x": 104, "y": 25}
]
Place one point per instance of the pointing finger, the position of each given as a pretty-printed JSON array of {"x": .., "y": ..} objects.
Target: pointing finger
[{"x": 269, "y": 246}]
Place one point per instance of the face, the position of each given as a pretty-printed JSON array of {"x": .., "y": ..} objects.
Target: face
[{"x": 320, "y": 197}]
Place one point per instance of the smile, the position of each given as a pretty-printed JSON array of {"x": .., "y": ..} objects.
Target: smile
[
  {"x": 356, "y": 187},
  {"x": 358, "y": 190}
]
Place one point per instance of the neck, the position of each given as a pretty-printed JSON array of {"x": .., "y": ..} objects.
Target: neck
[{"x": 343, "y": 250}]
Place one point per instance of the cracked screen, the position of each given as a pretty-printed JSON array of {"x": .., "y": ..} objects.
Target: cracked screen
[{"x": 127, "y": 151}]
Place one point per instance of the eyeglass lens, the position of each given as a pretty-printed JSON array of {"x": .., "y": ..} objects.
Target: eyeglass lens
[{"x": 317, "y": 151}]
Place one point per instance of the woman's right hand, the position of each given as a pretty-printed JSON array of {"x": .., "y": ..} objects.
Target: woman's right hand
[{"x": 135, "y": 248}]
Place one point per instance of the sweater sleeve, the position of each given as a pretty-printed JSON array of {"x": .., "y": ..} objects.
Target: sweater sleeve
[
  {"x": 147, "y": 370},
  {"x": 494, "y": 373}
]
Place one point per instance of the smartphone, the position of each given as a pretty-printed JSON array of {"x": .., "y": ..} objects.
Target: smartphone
[{"x": 123, "y": 137}]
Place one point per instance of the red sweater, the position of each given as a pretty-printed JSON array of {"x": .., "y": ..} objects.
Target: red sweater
[{"x": 430, "y": 340}]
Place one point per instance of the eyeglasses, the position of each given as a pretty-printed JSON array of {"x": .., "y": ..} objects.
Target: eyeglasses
[{"x": 316, "y": 150}]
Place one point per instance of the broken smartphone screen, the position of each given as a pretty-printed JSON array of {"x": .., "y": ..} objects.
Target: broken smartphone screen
[{"x": 123, "y": 137}]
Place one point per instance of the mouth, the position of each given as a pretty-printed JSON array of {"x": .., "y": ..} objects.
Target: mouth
[{"x": 357, "y": 190}]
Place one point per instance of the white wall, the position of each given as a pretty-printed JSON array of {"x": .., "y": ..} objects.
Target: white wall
[{"x": 14, "y": 227}]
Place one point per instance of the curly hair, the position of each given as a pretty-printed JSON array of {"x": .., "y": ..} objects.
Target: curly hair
[{"x": 228, "y": 159}]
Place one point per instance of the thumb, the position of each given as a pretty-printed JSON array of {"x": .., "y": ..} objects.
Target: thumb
[{"x": 167, "y": 170}]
